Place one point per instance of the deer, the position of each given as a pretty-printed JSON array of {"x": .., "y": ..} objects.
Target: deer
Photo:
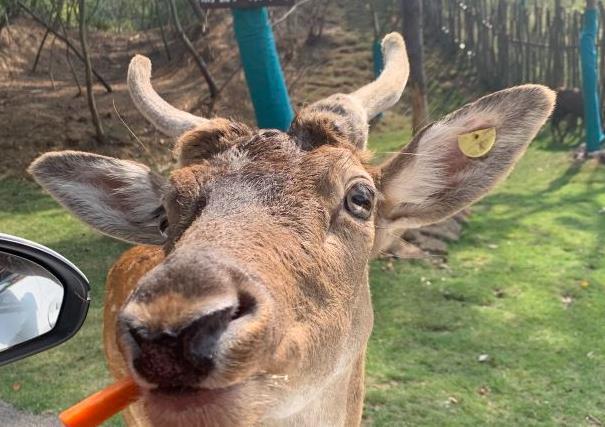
[
  {"x": 247, "y": 300},
  {"x": 569, "y": 108}
]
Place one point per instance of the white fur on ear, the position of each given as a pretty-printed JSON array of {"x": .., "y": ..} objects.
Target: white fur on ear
[
  {"x": 117, "y": 197},
  {"x": 432, "y": 179}
]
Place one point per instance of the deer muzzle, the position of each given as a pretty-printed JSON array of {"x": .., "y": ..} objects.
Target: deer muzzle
[{"x": 187, "y": 320}]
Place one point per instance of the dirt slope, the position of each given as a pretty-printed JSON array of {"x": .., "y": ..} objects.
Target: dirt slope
[{"x": 42, "y": 112}]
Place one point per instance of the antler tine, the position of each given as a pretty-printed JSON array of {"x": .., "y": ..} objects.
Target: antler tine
[
  {"x": 167, "y": 119},
  {"x": 384, "y": 92}
]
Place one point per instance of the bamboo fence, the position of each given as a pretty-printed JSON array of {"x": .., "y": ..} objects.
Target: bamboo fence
[{"x": 510, "y": 42}]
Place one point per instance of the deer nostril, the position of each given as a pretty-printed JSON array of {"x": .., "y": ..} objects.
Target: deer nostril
[
  {"x": 200, "y": 339},
  {"x": 184, "y": 354},
  {"x": 246, "y": 305},
  {"x": 137, "y": 334},
  {"x": 142, "y": 335}
]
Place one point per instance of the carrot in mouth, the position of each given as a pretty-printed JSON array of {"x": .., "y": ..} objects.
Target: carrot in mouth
[{"x": 102, "y": 405}]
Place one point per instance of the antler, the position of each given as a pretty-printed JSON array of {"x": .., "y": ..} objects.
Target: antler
[
  {"x": 383, "y": 93},
  {"x": 351, "y": 113},
  {"x": 167, "y": 119},
  {"x": 362, "y": 105}
]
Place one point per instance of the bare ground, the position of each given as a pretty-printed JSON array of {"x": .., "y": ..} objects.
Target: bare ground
[
  {"x": 42, "y": 111},
  {"x": 12, "y": 417}
]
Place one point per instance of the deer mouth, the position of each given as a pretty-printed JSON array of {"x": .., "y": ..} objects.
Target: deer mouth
[{"x": 179, "y": 399}]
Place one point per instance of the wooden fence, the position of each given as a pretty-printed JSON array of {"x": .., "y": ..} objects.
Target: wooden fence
[{"x": 511, "y": 42}]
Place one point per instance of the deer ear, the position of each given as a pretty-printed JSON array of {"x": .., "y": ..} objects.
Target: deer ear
[
  {"x": 432, "y": 178},
  {"x": 117, "y": 197}
]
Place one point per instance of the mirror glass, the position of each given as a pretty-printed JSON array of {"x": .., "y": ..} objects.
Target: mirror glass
[{"x": 30, "y": 300}]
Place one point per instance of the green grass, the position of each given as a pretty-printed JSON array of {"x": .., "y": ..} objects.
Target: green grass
[
  {"x": 58, "y": 378},
  {"x": 535, "y": 242},
  {"x": 538, "y": 240}
]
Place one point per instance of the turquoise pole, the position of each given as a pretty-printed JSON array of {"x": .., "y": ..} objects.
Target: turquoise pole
[
  {"x": 588, "y": 53},
  {"x": 378, "y": 62},
  {"x": 262, "y": 68},
  {"x": 378, "y": 58}
]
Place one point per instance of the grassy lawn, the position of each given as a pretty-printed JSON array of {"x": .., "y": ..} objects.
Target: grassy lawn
[
  {"x": 525, "y": 286},
  {"x": 53, "y": 380}
]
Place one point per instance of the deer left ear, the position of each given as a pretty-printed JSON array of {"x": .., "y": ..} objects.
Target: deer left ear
[
  {"x": 441, "y": 172},
  {"x": 120, "y": 198}
]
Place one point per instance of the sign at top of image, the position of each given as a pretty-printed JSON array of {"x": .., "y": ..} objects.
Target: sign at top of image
[{"x": 212, "y": 4}]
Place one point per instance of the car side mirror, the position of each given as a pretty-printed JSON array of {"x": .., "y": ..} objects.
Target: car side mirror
[{"x": 44, "y": 298}]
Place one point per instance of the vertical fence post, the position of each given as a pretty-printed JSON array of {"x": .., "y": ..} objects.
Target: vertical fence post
[
  {"x": 262, "y": 68},
  {"x": 378, "y": 58},
  {"x": 592, "y": 115},
  {"x": 411, "y": 13},
  {"x": 377, "y": 55}
]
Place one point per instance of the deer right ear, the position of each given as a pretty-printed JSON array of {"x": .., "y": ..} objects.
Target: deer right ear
[
  {"x": 434, "y": 177},
  {"x": 117, "y": 197}
]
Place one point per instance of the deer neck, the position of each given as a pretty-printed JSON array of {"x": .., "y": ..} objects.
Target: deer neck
[{"x": 338, "y": 403}]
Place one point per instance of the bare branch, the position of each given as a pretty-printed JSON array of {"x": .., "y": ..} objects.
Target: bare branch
[
  {"x": 64, "y": 40},
  {"x": 201, "y": 64},
  {"x": 285, "y": 16},
  {"x": 91, "y": 98}
]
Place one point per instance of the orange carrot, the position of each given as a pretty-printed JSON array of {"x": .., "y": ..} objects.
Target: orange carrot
[{"x": 102, "y": 405}]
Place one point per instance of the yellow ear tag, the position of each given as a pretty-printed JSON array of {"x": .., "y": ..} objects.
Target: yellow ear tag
[{"x": 477, "y": 143}]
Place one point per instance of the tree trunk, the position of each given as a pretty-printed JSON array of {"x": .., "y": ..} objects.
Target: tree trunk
[
  {"x": 197, "y": 9},
  {"x": 74, "y": 74},
  {"x": 198, "y": 59},
  {"x": 558, "y": 47},
  {"x": 411, "y": 13},
  {"x": 50, "y": 63},
  {"x": 92, "y": 105},
  {"x": 8, "y": 12},
  {"x": 162, "y": 32},
  {"x": 64, "y": 40},
  {"x": 57, "y": 12},
  {"x": 39, "y": 52},
  {"x": 201, "y": 15}
]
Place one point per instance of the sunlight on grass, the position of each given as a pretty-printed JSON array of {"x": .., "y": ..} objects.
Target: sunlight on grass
[
  {"x": 525, "y": 286},
  {"x": 56, "y": 379}
]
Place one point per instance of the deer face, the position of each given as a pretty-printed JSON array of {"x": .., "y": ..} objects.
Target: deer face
[{"x": 262, "y": 300}]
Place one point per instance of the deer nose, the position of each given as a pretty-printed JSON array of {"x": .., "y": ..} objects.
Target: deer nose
[{"x": 182, "y": 358}]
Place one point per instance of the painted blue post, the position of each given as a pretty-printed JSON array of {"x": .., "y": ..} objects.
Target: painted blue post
[
  {"x": 378, "y": 58},
  {"x": 588, "y": 53},
  {"x": 262, "y": 68},
  {"x": 378, "y": 62}
]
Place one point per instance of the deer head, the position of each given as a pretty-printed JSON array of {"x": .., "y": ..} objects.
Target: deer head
[{"x": 261, "y": 309}]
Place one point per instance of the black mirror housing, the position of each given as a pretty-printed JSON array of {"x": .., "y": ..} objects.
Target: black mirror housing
[{"x": 76, "y": 296}]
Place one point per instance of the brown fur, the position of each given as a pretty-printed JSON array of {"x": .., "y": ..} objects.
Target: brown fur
[
  {"x": 122, "y": 280},
  {"x": 261, "y": 231},
  {"x": 569, "y": 108},
  {"x": 202, "y": 142},
  {"x": 273, "y": 155}
]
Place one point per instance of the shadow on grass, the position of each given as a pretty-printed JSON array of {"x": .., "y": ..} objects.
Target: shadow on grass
[
  {"x": 525, "y": 286},
  {"x": 21, "y": 196},
  {"x": 58, "y": 378},
  {"x": 568, "y": 144}
]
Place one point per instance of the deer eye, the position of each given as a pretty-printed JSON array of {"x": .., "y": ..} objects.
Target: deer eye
[
  {"x": 360, "y": 201},
  {"x": 163, "y": 227}
]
